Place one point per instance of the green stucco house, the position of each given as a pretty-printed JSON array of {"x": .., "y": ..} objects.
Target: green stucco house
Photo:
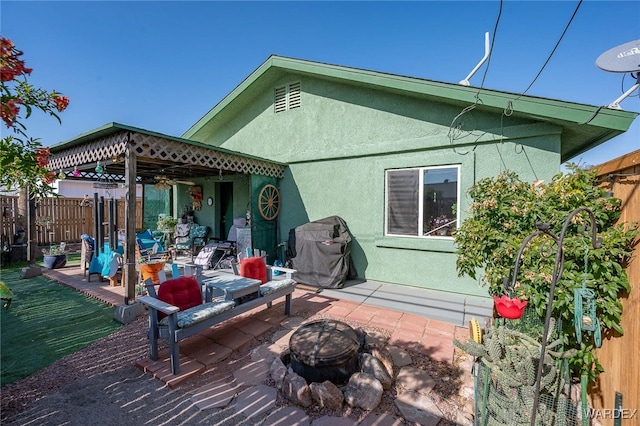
[{"x": 392, "y": 155}]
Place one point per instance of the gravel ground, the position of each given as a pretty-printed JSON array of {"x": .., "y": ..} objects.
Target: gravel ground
[{"x": 101, "y": 385}]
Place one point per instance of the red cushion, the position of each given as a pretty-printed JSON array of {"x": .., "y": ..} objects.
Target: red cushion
[
  {"x": 254, "y": 267},
  {"x": 183, "y": 292}
]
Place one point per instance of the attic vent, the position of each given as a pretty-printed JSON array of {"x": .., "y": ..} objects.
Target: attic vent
[{"x": 287, "y": 97}]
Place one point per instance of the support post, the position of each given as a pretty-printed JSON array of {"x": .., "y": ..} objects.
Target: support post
[
  {"x": 130, "y": 277},
  {"x": 32, "y": 270}
]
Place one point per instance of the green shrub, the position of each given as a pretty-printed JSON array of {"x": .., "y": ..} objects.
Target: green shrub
[{"x": 505, "y": 210}]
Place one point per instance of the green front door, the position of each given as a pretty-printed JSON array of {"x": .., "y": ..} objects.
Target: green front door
[{"x": 265, "y": 203}]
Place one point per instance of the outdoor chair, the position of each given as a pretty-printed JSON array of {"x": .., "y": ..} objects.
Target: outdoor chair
[
  {"x": 179, "y": 309},
  {"x": 149, "y": 247},
  {"x": 255, "y": 267},
  {"x": 197, "y": 239},
  {"x": 181, "y": 234},
  {"x": 148, "y": 243},
  {"x": 218, "y": 253},
  {"x": 86, "y": 252}
]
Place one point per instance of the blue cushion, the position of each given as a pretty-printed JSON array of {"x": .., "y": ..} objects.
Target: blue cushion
[
  {"x": 107, "y": 260},
  {"x": 145, "y": 235},
  {"x": 274, "y": 285},
  {"x": 200, "y": 313},
  {"x": 145, "y": 243}
]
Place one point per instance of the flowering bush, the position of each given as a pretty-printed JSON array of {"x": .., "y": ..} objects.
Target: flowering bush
[
  {"x": 505, "y": 211},
  {"x": 23, "y": 160}
]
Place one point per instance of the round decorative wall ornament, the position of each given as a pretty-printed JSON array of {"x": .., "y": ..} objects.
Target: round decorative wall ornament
[
  {"x": 269, "y": 202},
  {"x": 210, "y": 201}
]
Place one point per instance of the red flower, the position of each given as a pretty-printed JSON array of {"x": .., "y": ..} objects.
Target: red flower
[
  {"x": 6, "y": 74},
  {"x": 50, "y": 177},
  {"x": 42, "y": 157},
  {"x": 6, "y": 46},
  {"x": 61, "y": 102},
  {"x": 12, "y": 65},
  {"x": 9, "y": 111}
]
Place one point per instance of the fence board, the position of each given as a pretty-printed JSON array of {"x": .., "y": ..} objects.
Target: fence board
[
  {"x": 618, "y": 354},
  {"x": 69, "y": 218}
]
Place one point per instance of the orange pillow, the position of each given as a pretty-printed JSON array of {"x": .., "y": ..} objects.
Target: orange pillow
[
  {"x": 183, "y": 292},
  {"x": 254, "y": 267}
]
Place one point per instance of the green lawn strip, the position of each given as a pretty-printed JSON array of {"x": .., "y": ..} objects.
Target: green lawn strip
[{"x": 46, "y": 321}]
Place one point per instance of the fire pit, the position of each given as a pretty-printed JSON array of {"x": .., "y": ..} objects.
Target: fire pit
[{"x": 324, "y": 350}]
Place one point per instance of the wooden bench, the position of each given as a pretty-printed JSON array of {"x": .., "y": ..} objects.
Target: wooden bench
[{"x": 167, "y": 321}]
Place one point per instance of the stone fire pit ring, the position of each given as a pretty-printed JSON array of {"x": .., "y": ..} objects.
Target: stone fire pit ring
[{"x": 324, "y": 350}]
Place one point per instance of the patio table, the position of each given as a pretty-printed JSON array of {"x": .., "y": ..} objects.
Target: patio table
[{"x": 234, "y": 287}]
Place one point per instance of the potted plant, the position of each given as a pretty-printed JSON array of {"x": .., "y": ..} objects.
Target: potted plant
[
  {"x": 167, "y": 224},
  {"x": 55, "y": 256}
]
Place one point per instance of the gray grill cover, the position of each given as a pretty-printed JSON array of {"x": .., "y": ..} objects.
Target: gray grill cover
[{"x": 322, "y": 253}]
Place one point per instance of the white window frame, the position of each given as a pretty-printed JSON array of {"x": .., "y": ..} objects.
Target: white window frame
[{"x": 421, "y": 228}]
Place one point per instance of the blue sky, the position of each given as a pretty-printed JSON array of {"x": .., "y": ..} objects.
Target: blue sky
[{"x": 162, "y": 65}]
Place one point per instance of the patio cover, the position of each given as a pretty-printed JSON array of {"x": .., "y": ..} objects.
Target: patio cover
[{"x": 133, "y": 156}]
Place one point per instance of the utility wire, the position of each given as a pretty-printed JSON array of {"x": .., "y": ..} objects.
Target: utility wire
[
  {"x": 509, "y": 108},
  {"x": 493, "y": 41},
  {"x": 554, "y": 49},
  {"x": 453, "y": 130}
]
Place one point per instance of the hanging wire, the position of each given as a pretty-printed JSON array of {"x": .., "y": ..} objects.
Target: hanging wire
[
  {"x": 554, "y": 49},
  {"x": 594, "y": 115},
  {"x": 453, "y": 129},
  {"x": 508, "y": 110},
  {"x": 493, "y": 40},
  {"x": 510, "y": 102}
]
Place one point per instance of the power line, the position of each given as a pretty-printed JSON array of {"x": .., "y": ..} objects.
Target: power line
[
  {"x": 554, "y": 48},
  {"x": 493, "y": 40}
]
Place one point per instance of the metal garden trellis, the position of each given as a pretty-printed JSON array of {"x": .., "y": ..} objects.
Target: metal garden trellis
[
  {"x": 543, "y": 228},
  {"x": 517, "y": 360}
]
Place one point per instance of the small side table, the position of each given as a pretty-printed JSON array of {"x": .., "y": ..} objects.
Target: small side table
[{"x": 235, "y": 287}]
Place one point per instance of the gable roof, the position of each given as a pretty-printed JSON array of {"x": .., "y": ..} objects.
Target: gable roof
[{"x": 583, "y": 126}]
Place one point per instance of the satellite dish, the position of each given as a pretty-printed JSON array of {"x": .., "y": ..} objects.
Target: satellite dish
[{"x": 624, "y": 58}]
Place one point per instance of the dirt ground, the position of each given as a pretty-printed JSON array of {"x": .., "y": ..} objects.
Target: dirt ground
[{"x": 101, "y": 385}]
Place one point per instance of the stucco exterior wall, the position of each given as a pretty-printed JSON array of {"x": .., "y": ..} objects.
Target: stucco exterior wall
[
  {"x": 342, "y": 139},
  {"x": 355, "y": 190}
]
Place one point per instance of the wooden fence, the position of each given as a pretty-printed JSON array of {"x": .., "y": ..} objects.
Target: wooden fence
[
  {"x": 69, "y": 219},
  {"x": 619, "y": 354}
]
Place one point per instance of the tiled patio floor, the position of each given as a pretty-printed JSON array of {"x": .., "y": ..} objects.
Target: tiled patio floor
[{"x": 200, "y": 353}]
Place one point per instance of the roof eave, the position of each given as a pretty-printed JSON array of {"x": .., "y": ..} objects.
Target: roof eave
[{"x": 611, "y": 122}]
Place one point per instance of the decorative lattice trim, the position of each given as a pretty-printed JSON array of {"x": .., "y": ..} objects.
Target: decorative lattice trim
[{"x": 155, "y": 147}]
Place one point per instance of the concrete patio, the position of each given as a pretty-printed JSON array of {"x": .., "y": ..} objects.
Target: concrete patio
[{"x": 399, "y": 311}]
